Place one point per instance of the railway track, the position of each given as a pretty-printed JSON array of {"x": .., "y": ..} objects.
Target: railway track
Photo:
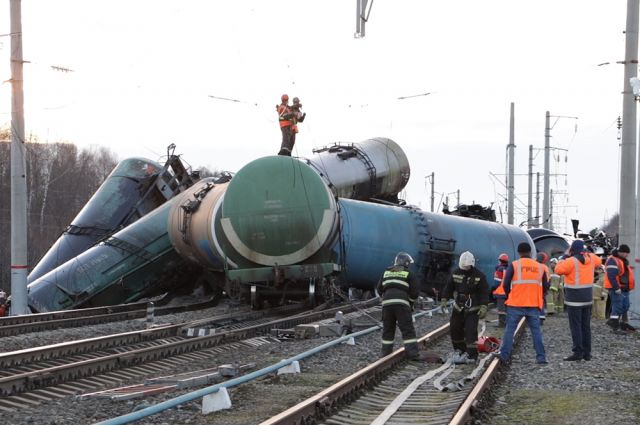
[
  {"x": 17, "y": 325},
  {"x": 394, "y": 391},
  {"x": 28, "y": 377}
]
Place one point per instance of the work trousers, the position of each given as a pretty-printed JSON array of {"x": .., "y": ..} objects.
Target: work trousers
[
  {"x": 399, "y": 314},
  {"x": 288, "y": 139},
  {"x": 464, "y": 331},
  {"x": 619, "y": 303},
  {"x": 502, "y": 310},
  {"x": 532, "y": 315},
  {"x": 580, "y": 324}
]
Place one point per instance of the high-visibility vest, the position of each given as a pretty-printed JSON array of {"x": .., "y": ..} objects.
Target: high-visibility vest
[
  {"x": 526, "y": 284},
  {"x": 282, "y": 111},
  {"x": 396, "y": 287},
  {"x": 578, "y": 281},
  {"x": 620, "y": 266},
  {"x": 498, "y": 275}
]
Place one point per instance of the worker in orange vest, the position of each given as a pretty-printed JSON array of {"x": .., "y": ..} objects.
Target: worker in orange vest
[
  {"x": 579, "y": 271},
  {"x": 619, "y": 281},
  {"x": 498, "y": 290},
  {"x": 524, "y": 283},
  {"x": 285, "y": 116}
]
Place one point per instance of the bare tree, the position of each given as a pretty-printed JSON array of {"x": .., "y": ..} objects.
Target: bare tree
[{"x": 60, "y": 181}]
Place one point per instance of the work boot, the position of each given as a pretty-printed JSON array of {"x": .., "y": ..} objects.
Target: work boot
[
  {"x": 473, "y": 354},
  {"x": 614, "y": 324},
  {"x": 573, "y": 358},
  {"x": 627, "y": 327},
  {"x": 386, "y": 350},
  {"x": 412, "y": 350}
]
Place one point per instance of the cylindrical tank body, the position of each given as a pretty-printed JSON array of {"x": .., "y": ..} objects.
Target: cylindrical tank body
[
  {"x": 373, "y": 234},
  {"x": 135, "y": 262},
  {"x": 119, "y": 201},
  {"x": 191, "y": 224},
  {"x": 553, "y": 243},
  {"x": 278, "y": 212},
  {"x": 288, "y": 219},
  {"x": 374, "y": 168}
]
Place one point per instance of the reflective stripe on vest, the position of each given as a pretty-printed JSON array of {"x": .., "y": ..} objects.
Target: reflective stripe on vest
[
  {"x": 577, "y": 293},
  {"x": 526, "y": 284},
  {"x": 398, "y": 279},
  {"x": 396, "y": 301},
  {"x": 620, "y": 267},
  {"x": 400, "y": 282}
]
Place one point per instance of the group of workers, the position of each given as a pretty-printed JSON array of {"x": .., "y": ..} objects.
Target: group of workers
[
  {"x": 523, "y": 288},
  {"x": 288, "y": 117}
]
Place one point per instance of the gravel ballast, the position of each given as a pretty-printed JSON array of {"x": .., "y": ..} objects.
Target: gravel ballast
[{"x": 602, "y": 391}]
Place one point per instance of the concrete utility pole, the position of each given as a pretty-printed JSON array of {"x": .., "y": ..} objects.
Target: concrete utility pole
[
  {"x": 18, "y": 170},
  {"x": 361, "y": 17},
  {"x": 547, "y": 150},
  {"x": 530, "y": 191},
  {"x": 510, "y": 175},
  {"x": 432, "y": 178},
  {"x": 629, "y": 208},
  {"x": 550, "y": 209},
  {"x": 537, "y": 220}
]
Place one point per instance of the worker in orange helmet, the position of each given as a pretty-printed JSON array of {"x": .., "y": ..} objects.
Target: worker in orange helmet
[
  {"x": 285, "y": 117},
  {"x": 498, "y": 290}
]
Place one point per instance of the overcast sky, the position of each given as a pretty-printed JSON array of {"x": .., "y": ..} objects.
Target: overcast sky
[{"x": 143, "y": 72}]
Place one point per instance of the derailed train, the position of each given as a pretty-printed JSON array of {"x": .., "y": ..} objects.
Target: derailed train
[{"x": 282, "y": 228}]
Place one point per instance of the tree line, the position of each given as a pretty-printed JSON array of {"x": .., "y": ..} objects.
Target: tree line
[{"x": 60, "y": 180}]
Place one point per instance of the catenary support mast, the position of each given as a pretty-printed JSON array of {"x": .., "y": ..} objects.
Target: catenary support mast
[{"x": 18, "y": 170}]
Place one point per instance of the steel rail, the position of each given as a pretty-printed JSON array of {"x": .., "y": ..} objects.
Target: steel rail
[
  {"x": 32, "y": 379},
  {"x": 18, "y": 325},
  {"x": 465, "y": 412},
  {"x": 322, "y": 403}
]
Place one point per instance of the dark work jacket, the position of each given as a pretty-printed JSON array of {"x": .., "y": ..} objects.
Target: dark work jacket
[
  {"x": 398, "y": 286},
  {"x": 463, "y": 284}
]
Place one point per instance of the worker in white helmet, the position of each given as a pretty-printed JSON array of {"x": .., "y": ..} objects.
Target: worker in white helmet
[{"x": 469, "y": 290}]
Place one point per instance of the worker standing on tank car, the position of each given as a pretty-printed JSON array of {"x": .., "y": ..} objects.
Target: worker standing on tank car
[
  {"x": 298, "y": 116},
  {"x": 542, "y": 258},
  {"x": 619, "y": 282},
  {"x": 285, "y": 116},
  {"x": 579, "y": 270},
  {"x": 399, "y": 290},
  {"x": 524, "y": 283},
  {"x": 469, "y": 290},
  {"x": 498, "y": 290}
]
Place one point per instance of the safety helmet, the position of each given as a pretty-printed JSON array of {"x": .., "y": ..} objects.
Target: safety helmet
[
  {"x": 467, "y": 260},
  {"x": 296, "y": 100},
  {"x": 487, "y": 344},
  {"x": 285, "y": 97},
  {"x": 503, "y": 257},
  {"x": 542, "y": 257},
  {"x": 403, "y": 259}
]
